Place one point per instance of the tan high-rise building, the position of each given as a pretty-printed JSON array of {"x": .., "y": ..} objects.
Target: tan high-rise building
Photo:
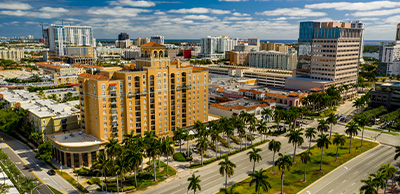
[
  {"x": 141, "y": 41},
  {"x": 398, "y": 33},
  {"x": 267, "y": 46},
  {"x": 152, "y": 95}
]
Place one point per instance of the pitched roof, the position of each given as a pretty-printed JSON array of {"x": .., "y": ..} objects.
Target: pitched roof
[
  {"x": 293, "y": 94},
  {"x": 152, "y": 44},
  {"x": 242, "y": 90},
  {"x": 276, "y": 95},
  {"x": 315, "y": 89},
  {"x": 220, "y": 107},
  {"x": 88, "y": 75},
  {"x": 254, "y": 107}
]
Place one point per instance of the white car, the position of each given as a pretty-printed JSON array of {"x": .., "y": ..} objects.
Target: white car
[{"x": 182, "y": 142}]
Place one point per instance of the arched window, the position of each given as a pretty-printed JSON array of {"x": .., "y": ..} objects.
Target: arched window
[
  {"x": 161, "y": 54},
  {"x": 155, "y": 54},
  {"x": 145, "y": 54}
]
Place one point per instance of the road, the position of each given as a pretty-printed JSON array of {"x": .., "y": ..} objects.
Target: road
[{"x": 25, "y": 160}]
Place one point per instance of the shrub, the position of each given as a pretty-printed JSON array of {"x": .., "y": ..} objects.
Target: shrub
[
  {"x": 178, "y": 156},
  {"x": 235, "y": 139},
  {"x": 250, "y": 138},
  {"x": 224, "y": 143},
  {"x": 212, "y": 146},
  {"x": 93, "y": 181},
  {"x": 84, "y": 172}
]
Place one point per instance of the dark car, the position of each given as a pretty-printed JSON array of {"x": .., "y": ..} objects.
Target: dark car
[{"x": 51, "y": 172}]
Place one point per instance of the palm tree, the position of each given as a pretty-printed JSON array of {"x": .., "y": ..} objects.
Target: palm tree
[
  {"x": 351, "y": 130},
  {"x": 200, "y": 128},
  {"x": 135, "y": 158},
  {"x": 121, "y": 166},
  {"x": 129, "y": 139},
  {"x": 261, "y": 127},
  {"x": 142, "y": 144},
  {"x": 240, "y": 128},
  {"x": 152, "y": 151},
  {"x": 379, "y": 179},
  {"x": 389, "y": 171},
  {"x": 397, "y": 152},
  {"x": 369, "y": 186},
  {"x": 113, "y": 147},
  {"x": 274, "y": 146},
  {"x": 202, "y": 144},
  {"x": 332, "y": 119},
  {"x": 278, "y": 117},
  {"x": 102, "y": 163},
  {"x": 29, "y": 184},
  {"x": 215, "y": 137},
  {"x": 255, "y": 156},
  {"x": 338, "y": 140},
  {"x": 305, "y": 158},
  {"x": 322, "y": 142},
  {"x": 229, "y": 190},
  {"x": 266, "y": 112},
  {"x": 322, "y": 126},
  {"x": 259, "y": 178},
  {"x": 167, "y": 149},
  {"x": 194, "y": 183},
  {"x": 178, "y": 136},
  {"x": 362, "y": 121},
  {"x": 227, "y": 169},
  {"x": 310, "y": 134},
  {"x": 295, "y": 137},
  {"x": 284, "y": 162}
]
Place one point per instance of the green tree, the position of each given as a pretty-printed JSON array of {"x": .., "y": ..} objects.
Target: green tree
[
  {"x": 254, "y": 156},
  {"x": 295, "y": 137},
  {"x": 362, "y": 121},
  {"x": 214, "y": 134},
  {"x": 310, "y": 134},
  {"x": 230, "y": 190},
  {"x": 28, "y": 184},
  {"x": 389, "y": 171},
  {"x": 261, "y": 128},
  {"x": 284, "y": 162},
  {"x": 135, "y": 158},
  {"x": 322, "y": 126},
  {"x": 351, "y": 130},
  {"x": 178, "y": 136},
  {"x": 194, "y": 183},
  {"x": 397, "y": 152},
  {"x": 226, "y": 168},
  {"x": 379, "y": 179},
  {"x": 267, "y": 113},
  {"x": 322, "y": 142},
  {"x": 202, "y": 144},
  {"x": 121, "y": 166},
  {"x": 167, "y": 149},
  {"x": 259, "y": 178},
  {"x": 103, "y": 164},
  {"x": 36, "y": 137},
  {"x": 305, "y": 158},
  {"x": 274, "y": 146},
  {"x": 45, "y": 151},
  {"x": 332, "y": 119},
  {"x": 113, "y": 148},
  {"x": 369, "y": 186},
  {"x": 338, "y": 140}
]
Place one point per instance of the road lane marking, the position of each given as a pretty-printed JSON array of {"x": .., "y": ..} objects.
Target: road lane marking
[
  {"x": 330, "y": 190},
  {"x": 344, "y": 180},
  {"x": 345, "y": 168}
]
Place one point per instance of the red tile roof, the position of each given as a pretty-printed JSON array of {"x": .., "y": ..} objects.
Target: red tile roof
[
  {"x": 88, "y": 75},
  {"x": 315, "y": 89},
  {"x": 43, "y": 64},
  {"x": 220, "y": 107},
  {"x": 152, "y": 44},
  {"x": 242, "y": 90},
  {"x": 293, "y": 94},
  {"x": 275, "y": 95},
  {"x": 254, "y": 107}
]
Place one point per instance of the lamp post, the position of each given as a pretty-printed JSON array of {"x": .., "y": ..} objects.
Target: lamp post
[{"x": 117, "y": 183}]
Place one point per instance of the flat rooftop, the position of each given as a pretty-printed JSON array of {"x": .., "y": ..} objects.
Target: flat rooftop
[
  {"x": 49, "y": 108},
  {"x": 309, "y": 80},
  {"x": 15, "y": 73},
  {"x": 19, "y": 95},
  {"x": 242, "y": 102},
  {"x": 75, "y": 139}
]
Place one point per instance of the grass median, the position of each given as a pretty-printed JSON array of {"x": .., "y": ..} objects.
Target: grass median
[{"x": 293, "y": 179}]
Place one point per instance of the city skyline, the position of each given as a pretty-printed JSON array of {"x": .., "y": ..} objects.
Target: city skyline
[{"x": 184, "y": 19}]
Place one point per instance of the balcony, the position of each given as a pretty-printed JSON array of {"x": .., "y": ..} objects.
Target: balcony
[
  {"x": 113, "y": 93},
  {"x": 113, "y": 88},
  {"x": 115, "y": 135},
  {"x": 115, "y": 130},
  {"x": 114, "y": 124},
  {"x": 114, "y": 105},
  {"x": 114, "y": 118},
  {"x": 114, "y": 113}
]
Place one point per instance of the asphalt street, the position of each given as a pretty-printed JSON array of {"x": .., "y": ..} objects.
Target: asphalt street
[{"x": 25, "y": 159}]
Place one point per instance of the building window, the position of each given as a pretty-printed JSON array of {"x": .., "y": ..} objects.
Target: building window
[
  {"x": 104, "y": 100},
  {"x": 105, "y": 130},
  {"x": 104, "y": 106},
  {"x": 44, "y": 122},
  {"x": 105, "y": 118},
  {"x": 104, "y": 112},
  {"x": 129, "y": 78},
  {"x": 103, "y": 86},
  {"x": 105, "y": 136},
  {"x": 105, "y": 124}
]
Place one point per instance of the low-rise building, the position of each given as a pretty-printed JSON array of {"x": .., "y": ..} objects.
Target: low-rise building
[
  {"x": 233, "y": 108},
  {"x": 62, "y": 93},
  {"x": 387, "y": 94}
]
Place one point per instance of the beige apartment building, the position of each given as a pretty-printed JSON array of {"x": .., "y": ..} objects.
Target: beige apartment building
[
  {"x": 239, "y": 58},
  {"x": 12, "y": 54},
  {"x": 267, "y": 46},
  {"x": 153, "y": 95}
]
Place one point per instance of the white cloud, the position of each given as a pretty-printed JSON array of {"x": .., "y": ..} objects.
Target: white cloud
[
  {"x": 117, "y": 11},
  {"x": 292, "y": 12},
  {"x": 15, "y": 5},
  {"x": 199, "y": 17},
  {"x": 20, "y": 13},
  {"x": 133, "y": 3},
  {"x": 376, "y": 13},
  {"x": 199, "y": 10},
  {"x": 233, "y": 0},
  {"x": 240, "y": 14},
  {"x": 53, "y": 9},
  {"x": 32, "y": 23},
  {"x": 373, "y": 5},
  {"x": 159, "y": 13},
  {"x": 238, "y": 18},
  {"x": 393, "y": 20}
]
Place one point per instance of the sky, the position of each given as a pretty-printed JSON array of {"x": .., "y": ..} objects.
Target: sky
[{"x": 193, "y": 19}]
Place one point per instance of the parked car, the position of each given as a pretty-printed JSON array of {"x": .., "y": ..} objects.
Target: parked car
[
  {"x": 195, "y": 150},
  {"x": 51, "y": 172},
  {"x": 181, "y": 142}
]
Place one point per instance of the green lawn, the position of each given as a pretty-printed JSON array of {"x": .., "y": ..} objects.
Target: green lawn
[
  {"x": 382, "y": 131},
  {"x": 293, "y": 179},
  {"x": 55, "y": 191}
]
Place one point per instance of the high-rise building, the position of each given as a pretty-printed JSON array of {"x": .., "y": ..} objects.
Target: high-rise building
[
  {"x": 123, "y": 36},
  {"x": 59, "y": 37},
  {"x": 154, "y": 95},
  {"x": 273, "y": 60},
  {"x": 157, "y": 39},
  {"x": 398, "y": 34},
  {"x": 334, "y": 56},
  {"x": 359, "y": 25},
  {"x": 389, "y": 57},
  {"x": 215, "y": 47},
  {"x": 306, "y": 32},
  {"x": 123, "y": 41},
  {"x": 140, "y": 41}
]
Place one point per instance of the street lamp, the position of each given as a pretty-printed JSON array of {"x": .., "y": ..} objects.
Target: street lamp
[{"x": 117, "y": 182}]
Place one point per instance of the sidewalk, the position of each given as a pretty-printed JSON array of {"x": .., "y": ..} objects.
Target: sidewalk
[{"x": 4, "y": 178}]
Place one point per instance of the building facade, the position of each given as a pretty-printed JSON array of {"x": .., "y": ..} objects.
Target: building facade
[
  {"x": 387, "y": 94},
  {"x": 273, "y": 60},
  {"x": 215, "y": 47},
  {"x": 12, "y": 54},
  {"x": 157, "y": 39},
  {"x": 140, "y": 41},
  {"x": 155, "y": 95},
  {"x": 389, "y": 57},
  {"x": 360, "y": 25}
]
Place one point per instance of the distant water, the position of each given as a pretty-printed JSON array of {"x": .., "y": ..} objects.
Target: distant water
[{"x": 373, "y": 55}]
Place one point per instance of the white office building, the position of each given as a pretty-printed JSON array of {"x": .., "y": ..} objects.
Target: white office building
[
  {"x": 389, "y": 60},
  {"x": 273, "y": 60},
  {"x": 215, "y": 47},
  {"x": 359, "y": 25},
  {"x": 59, "y": 37},
  {"x": 157, "y": 39}
]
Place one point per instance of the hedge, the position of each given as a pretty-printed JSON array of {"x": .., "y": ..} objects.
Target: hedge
[
  {"x": 250, "y": 138},
  {"x": 224, "y": 143},
  {"x": 94, "y": 180},
  {"x": 235, "y": 139},
  {"x": 213, "y": 147},
  {"x": 178, "y": 156}
]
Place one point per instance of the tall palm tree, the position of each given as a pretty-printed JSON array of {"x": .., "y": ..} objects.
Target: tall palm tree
[
  {"x": 113, "y": 148},
  {"x": 240, "y": 128},
  {"x": 310, "y": 134},
  {"x": 295, "y": 137},
  {"x": 274, "y": 146},
  {"x": 338, "y": 140},
  {"x": 226, "y": 168},
  {"x": 215, "y": 137},
  {"x": 362, "y": 121},
  {"x": 254, "y": 156},
  {"x": 167, "y": 149},
  {"x": 187, "y": 137},
  {"x": 397, "y": 152},
  {"x": 230, "y": 190},
  {"x": 389, "y": 171},
  {"x": 351, "y": 130},
  {"x": 322, "y": 142},
  {"x": 284, "y": 162},
  {"x": 261, "y": 128},
  {"x": 142, "y": 144},
  {"x": 178, "y": 136},
  {"x": 369, "y": 186},
  {"x": 379, "y": 179},
  {"x": 194, "y": 183},
  {"x": 266, "y": 112},
  {"x": 202, "y": 144},
  {"x": 322, "y": 126},
  {"x": 200, "y": 128},
  {"x": 102, "y": 163},
  {"x": 278, "y": 117},
  {"x": 152, "y": 151},
  {"x": 129, "y": 139},
  {"x": 305, "y": 158},
  {"x": 121, "y": 166},
  {"x": 259, "y": 178},
  {"x": 135, "y": 158},
  {"x": 332, "y": 119}
]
